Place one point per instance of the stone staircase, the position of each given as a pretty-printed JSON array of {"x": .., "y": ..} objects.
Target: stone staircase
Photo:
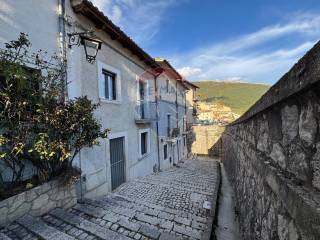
[{"x": 164, "y": 206}]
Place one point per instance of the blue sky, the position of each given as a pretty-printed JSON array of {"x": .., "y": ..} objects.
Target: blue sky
[{"x": 249, "y": 40}]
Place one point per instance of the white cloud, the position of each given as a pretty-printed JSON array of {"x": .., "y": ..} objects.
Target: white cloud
[
  {"x": 304, "y": 24},
  {"x": 246, "y": 56},
  {"x": 116, "y": 14},
  {"x": 110, "y": 9},
  {"x": 140, "y": 19},
  {"x": 266, "y": 67},
  {"x": 189, "y": 71},
  {"x": 101, "y": 4}
]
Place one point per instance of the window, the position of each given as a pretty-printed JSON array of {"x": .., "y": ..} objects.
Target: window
[
  {"x": 110, "y": 85},
  {"x": 167, "y": 85},
  {"x": 144, "y": 142},
  {"x": 184, "y": 141},
  {"x": 109, "y": 79},
  {"x": 183, "y": 124},
  {"x": 165, "y": 151},
  {"x": 169, "y": 123}
]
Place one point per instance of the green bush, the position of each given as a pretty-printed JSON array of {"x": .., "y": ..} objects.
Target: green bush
[{"x": 37, "y": 124}]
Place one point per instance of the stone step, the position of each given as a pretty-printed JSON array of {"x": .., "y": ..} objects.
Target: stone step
[
  {"x": 41, "y": 229},
  {"x": 90, "y": 210},
  {"x": 109, "y": 216},
  {"x": 162, "y": 211},
  {"x": 185, "y": 188},
  {"x": 16, "y": 231},
  {"x": 123, "y": 205},
  {"x": 4, "y": 237},
  {"x": 87, "y": 226},
  {"x": 112, "y": 206}
]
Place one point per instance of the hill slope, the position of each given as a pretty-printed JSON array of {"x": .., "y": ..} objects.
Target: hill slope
[{"x": 238, "y": 96}]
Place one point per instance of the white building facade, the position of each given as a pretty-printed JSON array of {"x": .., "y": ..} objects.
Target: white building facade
[
  {"x": 172, "y": 120},
  {"x": 130, "y": 86},
  {"x": 119, "y": 81}
]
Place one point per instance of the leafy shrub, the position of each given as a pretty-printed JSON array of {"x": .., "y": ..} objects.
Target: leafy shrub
[{"x": 36, "y": 123}]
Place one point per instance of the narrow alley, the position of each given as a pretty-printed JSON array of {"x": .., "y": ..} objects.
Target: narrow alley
[{"x": 178, "y": 203}]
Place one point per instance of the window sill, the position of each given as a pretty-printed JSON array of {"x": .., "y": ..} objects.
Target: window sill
[
  {"x": 143, "y": 156},
  {"x": 103, "y": 100}
]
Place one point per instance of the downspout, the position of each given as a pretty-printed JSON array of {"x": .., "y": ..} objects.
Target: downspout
[
  {"x": 63, "y": 52},
  {"x": 63, "y": 49},
  {"x": 177, "y": 116},
  {"x": 157, "y": 122},
  {"x": 185, "y": 102},
  {"x": 177, "y": 109}
]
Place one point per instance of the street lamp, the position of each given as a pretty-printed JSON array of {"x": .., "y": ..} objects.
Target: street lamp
[{"x": 91, "y": 45}]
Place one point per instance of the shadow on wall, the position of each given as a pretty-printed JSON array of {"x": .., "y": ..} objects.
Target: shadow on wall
[
  {"x": 206, "y": 137},
  {"x": 216, "y": 151},
  {"x": 191, "y": 138}
]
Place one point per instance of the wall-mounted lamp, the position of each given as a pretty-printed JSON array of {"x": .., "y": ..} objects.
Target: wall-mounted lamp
[{"x": 91, "y": 45}]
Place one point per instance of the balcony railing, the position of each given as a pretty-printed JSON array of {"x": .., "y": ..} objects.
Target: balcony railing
[
  {"x": 195, "y": 112},
  {"x": 173, "y": 132},
  {"x": 145, "y": 112}
]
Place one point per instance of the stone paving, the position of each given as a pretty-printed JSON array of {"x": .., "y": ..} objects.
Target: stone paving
[{"x": 178, "y": 203}]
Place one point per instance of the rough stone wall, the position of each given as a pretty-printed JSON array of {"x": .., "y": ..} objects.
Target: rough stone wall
[
  {"x": 272, "y": 157},
  {"x": 37, "y": 201}
]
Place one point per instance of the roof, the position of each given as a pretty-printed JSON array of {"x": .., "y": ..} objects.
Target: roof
[
  {"x": 184, "y": 85},
  {"x": 169, "y": 69},
  {"x": 191, "y": 84},
  {"x": 88, "y": 10}
]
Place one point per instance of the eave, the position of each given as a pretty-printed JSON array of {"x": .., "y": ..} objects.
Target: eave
[{"x": 102, "y": 22}]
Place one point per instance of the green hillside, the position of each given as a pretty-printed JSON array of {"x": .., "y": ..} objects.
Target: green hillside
[{"x": 238, "y": 96}]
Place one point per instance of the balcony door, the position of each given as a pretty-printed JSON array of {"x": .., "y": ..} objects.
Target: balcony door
[{"x": 142, "y": 98}]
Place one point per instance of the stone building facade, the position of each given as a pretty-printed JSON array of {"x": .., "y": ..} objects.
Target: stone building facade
[{"x": 272, "y": 156}]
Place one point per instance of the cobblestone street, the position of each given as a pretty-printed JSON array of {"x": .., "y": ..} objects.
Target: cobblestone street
[{"x": 175, "y": 204}]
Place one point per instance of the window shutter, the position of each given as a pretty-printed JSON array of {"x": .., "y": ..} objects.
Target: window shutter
[
  {"x": 106, "y": 86},
  {"x": 114, "y": 87},
  {"x": 101, "y": 82}
]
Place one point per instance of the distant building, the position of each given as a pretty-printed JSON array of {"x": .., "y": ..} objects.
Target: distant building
[
  {"x": 172, "y": 117},
  {"x": 192, "y": 103},
  {"x": 215, "y": 113}
]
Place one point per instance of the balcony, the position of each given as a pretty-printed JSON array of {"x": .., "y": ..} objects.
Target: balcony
[
  {"x": 173, "y": 132},
  {"x": 145, "y": 112},
  {"x": 195, "y": 112}
]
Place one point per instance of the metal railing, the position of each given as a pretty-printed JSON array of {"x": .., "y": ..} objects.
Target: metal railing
[
  {"x": 146, "y": 111},
  {"x": 173, "y": 132}
]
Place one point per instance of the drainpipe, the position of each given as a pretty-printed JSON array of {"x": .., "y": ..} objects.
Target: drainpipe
[
  {"x": 157, "y": 122},
  {"x": 177, "y": 108},
  {"x": 185, "y": 102},
  {"x": 63, "y": 49},
  {"x": 63, "y": 52},
  {"x": 177, "y": 117}
]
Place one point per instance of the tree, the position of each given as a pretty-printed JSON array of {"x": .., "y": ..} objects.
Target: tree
[{"x": 36, "y": 123}]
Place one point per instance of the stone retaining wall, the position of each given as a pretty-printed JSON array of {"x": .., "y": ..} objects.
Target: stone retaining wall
[
  {"x": 37, "y": 201},
  {"x": 272, "y": 157}
]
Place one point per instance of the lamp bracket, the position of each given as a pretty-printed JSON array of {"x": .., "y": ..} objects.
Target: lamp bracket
[{"x": 74, "y": 38}]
